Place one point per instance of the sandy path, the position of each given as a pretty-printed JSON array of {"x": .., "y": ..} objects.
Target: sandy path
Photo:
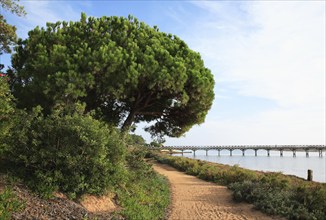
[{"x": 193, "y": 198}]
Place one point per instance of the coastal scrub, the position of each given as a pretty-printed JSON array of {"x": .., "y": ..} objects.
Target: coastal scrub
[{"x": 272, "y": 193}]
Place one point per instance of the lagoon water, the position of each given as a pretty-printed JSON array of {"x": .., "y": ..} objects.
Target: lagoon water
[{"x": 287, "y": 164}]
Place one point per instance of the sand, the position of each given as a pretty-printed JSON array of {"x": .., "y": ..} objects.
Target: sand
[{"x": 193, "y": 198}]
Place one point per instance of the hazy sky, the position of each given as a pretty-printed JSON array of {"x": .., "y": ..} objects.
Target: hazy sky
[{"x": 267, "y": 57}]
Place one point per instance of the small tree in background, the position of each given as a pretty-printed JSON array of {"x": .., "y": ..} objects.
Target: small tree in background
[{"x": 133, "y": 139}]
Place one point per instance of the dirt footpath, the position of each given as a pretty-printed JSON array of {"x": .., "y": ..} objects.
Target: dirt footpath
[{"x": 193, "y": 198}]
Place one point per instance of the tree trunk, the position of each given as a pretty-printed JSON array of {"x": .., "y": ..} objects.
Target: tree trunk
[{"x": 128, "y": 122}]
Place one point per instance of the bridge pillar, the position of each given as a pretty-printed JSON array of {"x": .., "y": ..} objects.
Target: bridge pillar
[
  {"x": 320, "y": 153},
  {"x": 243, "y": 152},
  {"x": 307, "y": 153},
  {"x": 231, "y": 152},
  {"x": 194, "y": 152},
  {"x": 294, "y": 153},
  {"x": 182, "y": 152},
  {"x": 268, "y": 154},
  {"x": 206, "y": 152},
  {"x": 255, "y": 152},
  {"x": 219, "y": 152},
  {"x": 281, "y": 153}
]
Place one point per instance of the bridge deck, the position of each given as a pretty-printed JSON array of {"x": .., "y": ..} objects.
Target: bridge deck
[
  {"x": 243, "y": 148},
  {"x": 251, "y": 147}
]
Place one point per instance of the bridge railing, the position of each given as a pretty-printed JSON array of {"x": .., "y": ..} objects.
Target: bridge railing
[
  {"x": 243, "y": 148},
  {"x": 247, "y": 147}
]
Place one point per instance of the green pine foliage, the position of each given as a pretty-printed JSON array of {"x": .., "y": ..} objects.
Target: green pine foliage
[{"x": 123, "y": 69}]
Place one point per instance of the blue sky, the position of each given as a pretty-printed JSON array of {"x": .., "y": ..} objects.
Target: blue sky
[{"x": 267, "y": 57}]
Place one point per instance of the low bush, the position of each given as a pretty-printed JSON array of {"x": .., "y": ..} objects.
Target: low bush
[
  {"x": 146, "y": 194},
  {"x": 292, "y": 202},
  {"x": 268, "y": 199},
  {"x": 9, "y": 203},
  {"x": 73, "y": 153}
]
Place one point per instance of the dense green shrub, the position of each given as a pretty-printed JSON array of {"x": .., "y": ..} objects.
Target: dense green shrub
[
  {"x": 294, "y": 203},
  {"x": 73, "y": 153},
  {"x": 210, "y": 173},
  {"x": 135, "y": 161},
  {"x": 269, "y": 199},
  {"x": 311, "y": 199},
  {"x": 6, "y": 111}
]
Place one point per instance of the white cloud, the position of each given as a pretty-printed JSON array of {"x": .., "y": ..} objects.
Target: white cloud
[
  {"x": 285, "y": 59},
  {"x": 282, "y": 57},
  {"x": 272, "y": 50}
]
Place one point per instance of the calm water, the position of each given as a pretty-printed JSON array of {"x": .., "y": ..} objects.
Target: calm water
[{"x": 287, "y": 164}]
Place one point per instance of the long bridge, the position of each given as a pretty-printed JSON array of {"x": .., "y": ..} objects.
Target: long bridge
[{"x": 243, "y": 148}]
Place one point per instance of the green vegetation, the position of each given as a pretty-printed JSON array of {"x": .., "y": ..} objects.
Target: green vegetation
[
  {"x": 62, "y": 152},
  {"x": 77, "y": 88},
  {"x": 299, "y": 201},
  {"x": 143, "y": 194},
  {"x": 135, "y": 140},
  {"x": 8, "y": 38},
  {"x": 69, "y": 151},
  {"x": 72, "y": 152},
  {"x": 6, "y": 110},
  {"x": 124, "y": 70},
  {"x": 273, "y": 193},
  {"x": 146, "y": 195},
  {"x": 9, "y": 203}
]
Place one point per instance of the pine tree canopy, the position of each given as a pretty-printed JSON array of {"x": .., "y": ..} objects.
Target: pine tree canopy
[{"x": 124, "y": 70}]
